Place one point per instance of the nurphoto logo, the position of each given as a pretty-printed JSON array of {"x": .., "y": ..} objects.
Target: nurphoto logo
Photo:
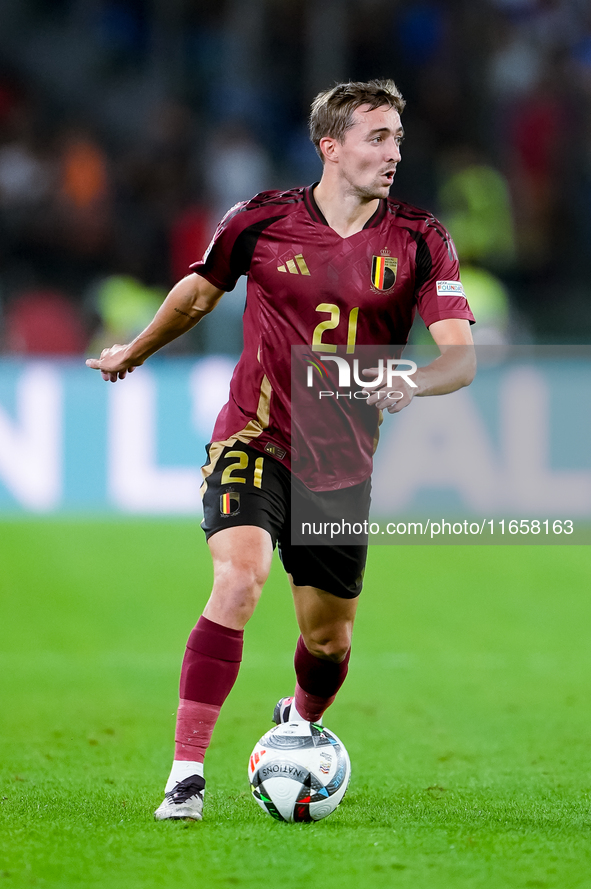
[{"x": 387, "y": 371}]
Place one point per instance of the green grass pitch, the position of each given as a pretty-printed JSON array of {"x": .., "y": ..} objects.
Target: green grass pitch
[{"x": 466, "y": 714}]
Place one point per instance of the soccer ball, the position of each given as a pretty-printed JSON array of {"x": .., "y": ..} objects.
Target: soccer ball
[{"x": 299, "y": 771}]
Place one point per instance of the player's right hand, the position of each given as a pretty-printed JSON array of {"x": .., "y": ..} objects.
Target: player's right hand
[
  {"x": 112, "y": 364},
  {"x": 393, "y": 400}
]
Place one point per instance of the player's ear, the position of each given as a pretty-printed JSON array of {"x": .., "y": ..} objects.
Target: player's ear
[{"x": 329, "y": 148}]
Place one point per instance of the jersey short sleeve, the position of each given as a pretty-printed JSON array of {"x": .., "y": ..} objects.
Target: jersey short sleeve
[
  {"x": 440, "y": 294},
  {"x": 224, "y": 261}
]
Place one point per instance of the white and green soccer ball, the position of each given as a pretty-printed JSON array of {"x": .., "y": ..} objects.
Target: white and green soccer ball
[{"x": 299, "y": 771}]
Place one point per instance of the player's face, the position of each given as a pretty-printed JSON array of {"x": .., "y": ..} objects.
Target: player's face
[{"x": 370, "y": 152}]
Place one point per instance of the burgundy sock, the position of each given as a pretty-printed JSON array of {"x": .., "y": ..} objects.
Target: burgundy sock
[
  {"x": 209, "y": 670},
  {"x": 195, "y": 723},
  {"x": 318, "y": 682}
]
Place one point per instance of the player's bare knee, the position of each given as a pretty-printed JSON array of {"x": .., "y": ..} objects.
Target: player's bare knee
[
  {"x": 241, "y": 573},
  {"x": 249, "y": 578},
  {"x": 232, "y": 606},
  {"x": 243, "y": 588},
  {"x": 329, "y": 648}
]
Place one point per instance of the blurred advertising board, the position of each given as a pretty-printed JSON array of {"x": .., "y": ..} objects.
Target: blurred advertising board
[
  {"x": 70, "y": 442},
  {"x": 515, "y": 445}
]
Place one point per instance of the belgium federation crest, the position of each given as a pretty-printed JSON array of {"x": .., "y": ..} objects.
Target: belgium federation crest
[
  {"x": 229, "y": 503},
  {"x": 383, "y": 272}
]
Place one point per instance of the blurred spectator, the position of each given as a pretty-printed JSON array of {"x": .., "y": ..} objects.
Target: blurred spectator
[
  {"x": 156, "y": 171},
  {"x": 135, "y": 182},
  {"x": 121, "y": 28},
  {"x": 237, "y": 167},
  {"x": 515, "y": 66},
  {"x": 190, "y": 233},
  {"x": 26, "y": 173},
  {"x": 476, "y": 208},
  {"x": 538, "y": 145},
  {"x": 25, "y": 177},
  {"x": 84, "y": 179},
  {"x": 44, "y": 322},
  {"x": 124, "y": 307},
  {"x": 303, "y": 164},
  {"x": 489, "y": 301},
  {"x": 581, "y": 56},
  {"x": 82, "y": 200},
  {"x": 421, "y": 28},
  {"x": 9, "y": 100}
]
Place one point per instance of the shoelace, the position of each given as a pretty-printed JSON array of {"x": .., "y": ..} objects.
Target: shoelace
[{"x": 184, "y": 790}]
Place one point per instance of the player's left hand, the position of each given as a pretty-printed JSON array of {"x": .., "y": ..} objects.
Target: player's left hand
[{"x": 392, "y": 399}]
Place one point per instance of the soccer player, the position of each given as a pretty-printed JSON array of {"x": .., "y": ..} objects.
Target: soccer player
[{"x": 334, "y": 264}]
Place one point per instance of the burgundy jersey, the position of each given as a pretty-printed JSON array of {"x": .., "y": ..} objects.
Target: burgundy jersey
[{"x": 308, "y": 286}]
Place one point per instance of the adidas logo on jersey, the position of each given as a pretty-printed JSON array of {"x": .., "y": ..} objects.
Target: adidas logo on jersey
[{"x": 296, "y": 266}]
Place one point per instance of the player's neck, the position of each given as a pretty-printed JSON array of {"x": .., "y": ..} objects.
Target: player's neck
[{"x": 346, "y": 213}]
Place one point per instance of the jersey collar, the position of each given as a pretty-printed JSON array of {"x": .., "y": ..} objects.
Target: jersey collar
[{"x": 318, "y": 216}]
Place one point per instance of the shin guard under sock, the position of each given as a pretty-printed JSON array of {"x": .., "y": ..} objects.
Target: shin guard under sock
[
  {"x": 209, "y": 671},
  {"x": 318, "y": 682}
]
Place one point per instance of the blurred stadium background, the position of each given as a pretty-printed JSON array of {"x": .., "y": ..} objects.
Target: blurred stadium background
[{"x": 128, "y": 127}]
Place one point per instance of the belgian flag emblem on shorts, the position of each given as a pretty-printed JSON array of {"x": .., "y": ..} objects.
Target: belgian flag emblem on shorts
[
  {"x": 383, "y": 272},
  {"x": 230, "y": 503}
]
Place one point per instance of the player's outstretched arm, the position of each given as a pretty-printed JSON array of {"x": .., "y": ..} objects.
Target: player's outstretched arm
[
  {"x": 453, "y": 369},
  {"x": 186, "y": 304}
]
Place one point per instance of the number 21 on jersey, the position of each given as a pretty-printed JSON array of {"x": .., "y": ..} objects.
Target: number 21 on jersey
[{"x": 331, "y": 324}]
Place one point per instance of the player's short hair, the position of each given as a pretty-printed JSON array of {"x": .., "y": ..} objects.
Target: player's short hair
[{"x": 332, "y": 110}]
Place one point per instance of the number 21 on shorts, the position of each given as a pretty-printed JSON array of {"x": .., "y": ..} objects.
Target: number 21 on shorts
[{"x": 230, "y": 474}]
